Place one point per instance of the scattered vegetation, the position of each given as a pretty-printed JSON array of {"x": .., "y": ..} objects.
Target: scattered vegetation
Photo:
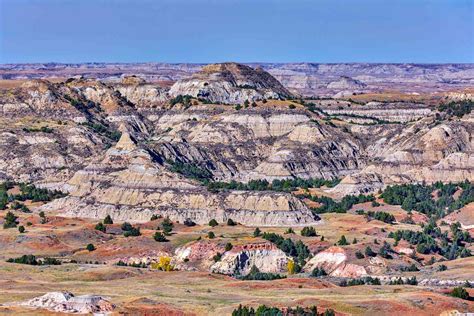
[
  {"x": 367, "y": 280},
  {"x": 460, "y": 292},
  {"x": 331, "y": 206},
  {"x": 297, "y": 250},
  {"x": 457, "y": 108},
  {"x": 190, "y": 170},
  {"x": 309, "y": 232},
  {"x": 181, "y": 99},
  {"x": 264, "y": 310},
  {"x": 400, "y": 281},
  {"x": 318, "y": 272},
  {"x": 419, "y": 197},
  {"x": 381, "y": 216},
  {"x": 286, "y": 185},
  {"x": 426, "y": 240},
  {"x": 256, "y": 275},
  {"x": 129, "y": 230},
  {"x": 104, "y": 129},
  {"x": 32, "y": 260}
]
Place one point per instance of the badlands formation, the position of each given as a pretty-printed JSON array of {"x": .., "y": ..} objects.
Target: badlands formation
[{"x": 243, "y": 161}]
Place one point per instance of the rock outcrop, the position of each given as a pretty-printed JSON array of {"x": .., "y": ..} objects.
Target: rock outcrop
[
  {"x": 334, "y": 261},
  {"x": 130, "y": 183},
  {"x": 230, "y": 83},
  {"x": 266, "y": 257},
  {"x": 66, "y": 302},
  {"x": 346, "y": 83}
]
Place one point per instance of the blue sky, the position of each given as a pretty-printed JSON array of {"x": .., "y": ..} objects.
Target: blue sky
[{"x": 231, "y": 30}]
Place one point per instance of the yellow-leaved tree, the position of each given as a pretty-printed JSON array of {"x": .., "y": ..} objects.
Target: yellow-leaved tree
[
  {"x": 164, "y": 264},
  {"x": 291, "y": 267}
]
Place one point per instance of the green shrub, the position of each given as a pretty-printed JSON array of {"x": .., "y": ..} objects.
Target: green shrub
[
  {"x": 342, "y": 241},
  {"x": 309, "y": 232},
  {"x": 460, "y": 292},
  {"x": 318, "y": 272},
  {"x": 167, "y": 226},
  {"x": 90, "y": 247},
  {"x": 160, "y": 237},
  {"x": 11, "y": 220},
  {"x": 213, "y": 223},
  {"x": 134, "y": 232},
  {"x": 188, "y": 222},
  {"x": 257, "y": 232},
  {"x": 108, "y": 220},
  {"x": 126, "y": 226},
  {"x": 100, "y": 227},
  {"x": 369, "y": 252},
  {"x": 217, "y": 257}
]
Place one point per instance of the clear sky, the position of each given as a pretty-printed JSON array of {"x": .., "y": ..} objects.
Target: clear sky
[{"x": 232, "y": 30}]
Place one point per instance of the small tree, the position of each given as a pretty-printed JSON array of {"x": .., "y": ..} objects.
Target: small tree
[
  {"x": 228, "y": 246},
  {"x": 43, "y": 217},
  {"x": 460, "y": 292},
  {"x": 100, "y": 227},
  {"x": 211, "y": 235},
  {"x": 160, "y": 237},
  {"x": 154, "y": 217},
  {"x": 291, "y": 267},
  {"x": 318, "y": 272},
  {"x": 217, "y": 257},
  {"x": 164, "y": 264},
  {"x": 10, "y": 220},
  {"x": 90, "y": 247},
  {"x": 289, "y": 231},
  {"x": 108, "y": 220},
  {"x": 134, "y": 232},
  {"x": 167, "y": 226},
  {"x": 188, "y": 222},
  {"x": 354, "y": 241},
  {"x": 257, "y": 232},
  {"x": 369, "y": 252},
  {"x": 230, "y": 222},
  {"x": 21, "y": 229},
  {"x": 343, "y": 241},
  {"x": 213, "y": 223},
  {"x": 359, "y": 255},
  {"x": 126, "y": 226},
  {"x": 308, "y": 232}
]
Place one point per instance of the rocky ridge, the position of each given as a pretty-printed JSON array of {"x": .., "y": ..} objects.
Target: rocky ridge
[{"x": 230, "y": 83}]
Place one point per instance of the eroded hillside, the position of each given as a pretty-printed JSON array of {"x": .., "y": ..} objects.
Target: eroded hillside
[{"x": 229, "y": 172}]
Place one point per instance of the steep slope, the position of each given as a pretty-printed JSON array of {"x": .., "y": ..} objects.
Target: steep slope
[
  {"x": 230, "y": 83},
  {"x": 129, "y": 183}
]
